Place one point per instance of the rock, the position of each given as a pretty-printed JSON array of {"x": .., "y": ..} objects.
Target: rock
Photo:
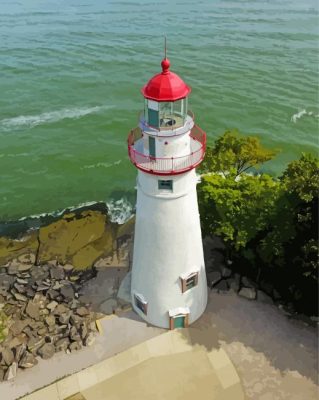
[
  {"x": 11, "y": 372},
  {"x": 19, "y": 296},
  {"x": 74, "y": 304},
  {"x": 50, "y": 320},
  {"x": 7, "y": 356},
  {"x": 67, "y": 292},
  {"x": 263, "y": 297},
  {"x": 226, "y": 272},
  {"x": 19, "y": 352},
  {"x": 74, "y": 334},
  {"x": 68, "y": 268},
  {"x": 39, "y": 273},
  {"x": 57, "y": 273},
  {"x": 248, "y": 293},
  {"x": 60, "y": 309},
  {"x": 53, "y": 294},
  {"x": 248, "y": 283},
  {"x": 64, "y": 318},
  {"x": 30, "y": 292},
  {"x": 32, "y": 310},
  {"x": 276, "y": 295},
  {"x": 82, "y": 311},
  {"x": 12, "y": 269},
  {"x": 46, "y": 351},
  {"x": 17, "y": 327},
  {"x": 75, "y": 320},
  {"x": 108, "y": 306},
  {"x": 10, "y": 248},
  {"x": 89, "y": 340},
  {"x": 233, "y": 285},
  {"x": 28, "y": 258},
  {"x": 19, "y": 288},
  {"x": 24, "y": 267},
  {"x": 83, "y": 331},
  {"x": 28, "y": 360},
  {"x": 222, "y": 286},
  {"x": 1, "y": 374},
  {"x": 213, "y": 278},
  {"x": 62, "y": 344},
  {"x": 75, "y": 346},
  {"x": 34, "y": 343},
  {"x": 51, "y": 306}
]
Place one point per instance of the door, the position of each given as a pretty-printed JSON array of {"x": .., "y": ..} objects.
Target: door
[
  {"x": 152, "y": 146},
  {"x": 179, "y": 322}
]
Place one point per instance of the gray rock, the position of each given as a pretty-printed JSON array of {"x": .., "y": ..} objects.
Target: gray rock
[
  {"x": 233, "y": 285},
  {"x": 75, "y": 346},
  {"x": 64, "y": 318},
  {"x": 213, "y": 278},
  {"x": 12, "y": 269},
  {"x": 34, "y": 343},
  {"x": 1, "y": 374},
  {"x": 11, "y": 372},
  {"x": 7, "y": 356},
  {"x": 62, "y": 344},
  {"x": 263, "y": 297},
  {"x": 19, "y": 296},
  {"x": 53, "y": 294},
  {"x": 33, "y": 309},
  {"x": 19, "y": 352},
  {"x": 46, "y": 351},
  {"x": 30, "y": 292},
  {"x": 22, "y": 281},
  {"x": 74, "y": 334},
  {"x": 67, "y": 292},
  {"x": 28, "y": 360},
  {"x": 67, "y": 267},
  {"x": 108, "y": 306},
  {"x": 27, "y": 258},
  {"x": 75, "y": 320},
  {"x": 248, "y": 283},
  {"x": 17, "y": 327},
  {"x": 83, "y": 331},
  {"x": 82, "y": 311},
  {"x": 226, "y": 272},
  {"x": 19, "y": 288},
  {"x": 57, "y": 273},
  {"x": 60, "y": 309},
  {"x": 222, "y": 286},
  {"x": 24, "y": 267},
  {"x": 248, "y": 293},
  {"x": 89, "y": 340},
  {"x": 276, "y": 295}
]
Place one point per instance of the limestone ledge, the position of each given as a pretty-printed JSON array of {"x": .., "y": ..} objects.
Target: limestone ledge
[{"x": 79, "y": 237}]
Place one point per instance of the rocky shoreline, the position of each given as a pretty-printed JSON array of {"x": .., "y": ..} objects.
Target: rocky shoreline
[{"x": 44, "y": 313}]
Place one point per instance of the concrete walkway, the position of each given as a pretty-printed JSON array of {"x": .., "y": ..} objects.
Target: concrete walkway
[
  {"x": 119, "y": 334},
  {"x": 165, "y": 367}
]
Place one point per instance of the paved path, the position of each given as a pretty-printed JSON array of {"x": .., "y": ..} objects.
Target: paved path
[
  {"x": 119, "y": 334},
  {"x": 275, "y": 357}
]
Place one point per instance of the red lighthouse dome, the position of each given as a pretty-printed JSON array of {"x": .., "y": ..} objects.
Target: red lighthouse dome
[{"x": 165, "y": 86}]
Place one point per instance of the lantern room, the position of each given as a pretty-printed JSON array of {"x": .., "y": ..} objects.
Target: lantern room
[{"x": 166, "y": 100}]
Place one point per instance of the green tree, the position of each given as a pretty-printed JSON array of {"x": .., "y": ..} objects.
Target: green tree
[{"x": 234, "y": 154}]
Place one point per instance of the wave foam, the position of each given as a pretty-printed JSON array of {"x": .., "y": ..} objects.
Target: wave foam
[
  {"x": 302, "y": 113},
  {"x": 30, "y": 121},
  {"x": 101, "y": 164},
  {"x": 120, "y": 211}
]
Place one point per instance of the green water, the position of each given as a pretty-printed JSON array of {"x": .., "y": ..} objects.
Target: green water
[{"x": 71, "y": 72}]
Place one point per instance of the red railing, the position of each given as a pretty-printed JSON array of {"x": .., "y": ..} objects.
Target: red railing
[{"x": 172, "y": 165}]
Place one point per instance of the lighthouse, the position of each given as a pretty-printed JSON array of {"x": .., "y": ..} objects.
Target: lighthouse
[{"x": 168, "y": 279}]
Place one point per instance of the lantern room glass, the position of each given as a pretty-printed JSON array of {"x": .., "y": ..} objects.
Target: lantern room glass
[{"x": 165, "y": 115}]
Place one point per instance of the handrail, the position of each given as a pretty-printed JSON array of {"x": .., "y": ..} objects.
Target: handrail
[{"x": 167, "y": 165}]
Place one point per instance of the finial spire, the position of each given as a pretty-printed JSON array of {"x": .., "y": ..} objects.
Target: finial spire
[{"x": 165, "y": 48}]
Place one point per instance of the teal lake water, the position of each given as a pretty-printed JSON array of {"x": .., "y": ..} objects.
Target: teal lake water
[{"x": 71, "y": 72}]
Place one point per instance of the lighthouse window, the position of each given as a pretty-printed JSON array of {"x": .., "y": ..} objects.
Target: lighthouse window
[
  {"x": 189, "y": 282},
  {"x": 141, "y": 304},
  {"x": 165, "y": 185}
]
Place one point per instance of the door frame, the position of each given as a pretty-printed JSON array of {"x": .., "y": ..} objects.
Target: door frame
[{"x": 171, "y": 320}]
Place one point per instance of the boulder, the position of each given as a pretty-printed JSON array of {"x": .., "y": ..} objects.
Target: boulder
[
  {"x": 34, "y": 343},
  {"x": 89, "y": 340},
  {"x": 82, "y": 311},
  {"x": 75, "y": 346},
  {"x": 233, "y": 285},
  {"x": 17, "y": 327},
  {"x": 11, "y": 248},
  {"x": 57, "y": 273},
  {"x": 28, "y": 360},
  {"x": 213, "y": 278},
  {"x": 52, "y": 305},
  {"x": 74, "y": 334},
  {"x": 11, "y": 372},
  {"x": 32, "y": 310},
  {"x": 108, "y": 307},
  {"x": 60, "y": 309},
  {"x": 1, "y": 374},
  {"x": 50, "y": 320},
  {"x": 67, "y": 292},
  {"x": 62, "y": 344},
  {"x": 248, "y": 293},
  {"x": 46, "y": 351},
  {"x": 263, "y": 297},
  {"x": 226, "y": 272},
  {"x": 24, "y": 267},
  {"x": 222, "y": 286},
  {"x": 64, "y": 318},
  {"x": 67, "y": 238},
  {"x": 248, "y": 283},
  {"x": 7, "y": 356},
  {"x": 27, "y": 258},
  {"x": 19, "y": 296}
]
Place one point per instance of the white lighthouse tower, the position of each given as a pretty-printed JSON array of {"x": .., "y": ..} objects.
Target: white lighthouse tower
[{"x": 168, "y": 286}]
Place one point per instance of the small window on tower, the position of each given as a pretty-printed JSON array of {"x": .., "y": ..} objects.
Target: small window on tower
[
  {"x": 165, "y": 185},
  {"x": 140, "y": 303},
  {"x": 189, "y": 281}
]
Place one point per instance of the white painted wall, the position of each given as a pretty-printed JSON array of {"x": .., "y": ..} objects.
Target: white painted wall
[
  {"x": 167, "y": 244},
  {"x": 177, "y": 146}
]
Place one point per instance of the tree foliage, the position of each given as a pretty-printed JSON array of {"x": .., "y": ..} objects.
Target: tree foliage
[{"x": 234, "y": 154}]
